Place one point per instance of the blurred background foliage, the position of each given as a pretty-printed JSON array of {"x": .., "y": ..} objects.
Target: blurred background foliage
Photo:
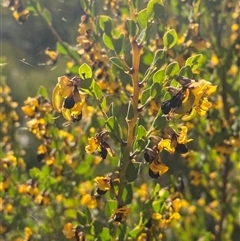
[{"x": 199, "y": 195}]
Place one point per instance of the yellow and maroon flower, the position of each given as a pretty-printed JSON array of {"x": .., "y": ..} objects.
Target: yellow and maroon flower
[
  {"x": 156, "y": 167},
  {"x": 174, "y": 142},
  {"x": 97, "y": 143},
  {"x": 120, "y": 214},
  {"x": 68, "y": 99},
  {"x": 191, "y": 98},
  {"x": 103, "y": 184}
]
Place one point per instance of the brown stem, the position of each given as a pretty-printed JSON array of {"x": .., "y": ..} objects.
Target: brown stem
[{"x": 126, "y": 149}]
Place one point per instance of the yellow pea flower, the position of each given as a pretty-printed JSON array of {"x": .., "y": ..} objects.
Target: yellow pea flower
[
  {"x": 103, "y": 183},
  {"x": 93, "y": 145},
  {"x": 68, "y": 230}
]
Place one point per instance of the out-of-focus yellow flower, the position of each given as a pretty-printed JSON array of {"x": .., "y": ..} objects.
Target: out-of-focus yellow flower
[
  {"x": 4, "y": 185},
  {"x": 37, "y": 127},
  {"x": 8, "y": 208},
  {"x": 142, "y": 237},
  {"x": 68, "y": 230},
  {"x": 177, "y": 204},
  {"x": 89, "y": 201},
  {"x": 27, "y": 232},
  {"x": 234, "y": 27},
  {"x": 191, "y": 209},
  {"x": 214, "y": 60},
  {"x": 156, "y": 216},
  {"x": 30, "y": 106},
  {"x": 176, "y": 216},
  {"x": 3, "y": 229},
  {"x": 84, "y": 187},
  {"x": 1, "y": 204},
  {"x": 53, "y": 56},
  {"x": 59, "y": 198},
  {"x": 21, "y": 15},
  {"x": 23, "y": 188},
  {"x": 143, "y": 192},
  {"x": 233, "y": 71},
  {"x": 195, "y": 178},
  {"x": 201, "y": 202}
]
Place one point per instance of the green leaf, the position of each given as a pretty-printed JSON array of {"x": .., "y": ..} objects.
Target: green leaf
[
  {"x": 38, "y": 6},
  {"x": 156, "y": 205},
  {"x": 148, "y": 58},
  {"x": 108, "y": 41},
  {"x": 86, "y": 86},
  {"x": 159, "y": 54},
  {"x": 156, "y": 190},
  {"x": 163, "y": 194},
  {"x": 132, "y": 171},
  {"x": 186, "y": 71},
  {"x": 172, "y": 70},
  {"x": 111, "y": 109},
  {"x": 141, "y": 37},
  {"x": 194, "y": 61},
  {"x": 74, "y": 69},
  {"x": 105, "y": 23},
  {"x": 34, "y": 172},
  {"x": 135, "y": 232},
  {"x": 96, "y": 90},
  {"x": 155, "y": 8},
  {"x": 84, "y": 4},
  {"x": 118, "y": 44},
  {"x": 88, "y": 215},
  {"x": 70, "y": 213},
  {"x": 105, "y": 235},
  {"x": 85, "y": 71},
  {"x": 117, "y": 62},
  {"x": 159, "y": 76},
  {"x": 46, "y": 170},
  {"x": 155, "y": 90},
  {"x": 170, "y": 39},
  {"x": 81, "y": 218},
  {"x": 174, "y": 83},
  {"x": 132, "y": 27},
  {"x": 111, "y": 205},
  {"x": 97, "y": 227},
  {"x": 115, "y": 130},
  {"x": 159, "y": 122},
  {"x": 103, "y": 102},
  {"x": 123, "y": 230},
  {"x": 47, "y": 16},
  {"x": 141, "y": 132},
  {"x": 145, "y": 95},
  {"x": 82, "y": 168},
  {"x": 61, "y": 48},
  {"x": 140, "y": 144},
  {"x": 127, "y": 194},
  {"x": 142, "y": 18},
  {"x": 42, "y": 91}
]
